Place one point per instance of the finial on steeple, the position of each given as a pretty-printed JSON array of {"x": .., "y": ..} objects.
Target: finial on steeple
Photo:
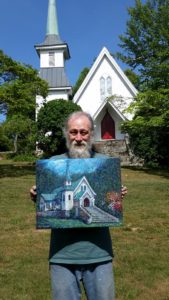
[{"x": 52, "y": 20}]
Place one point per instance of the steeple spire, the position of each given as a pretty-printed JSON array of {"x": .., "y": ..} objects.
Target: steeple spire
[
  {"x": 52, "y": 31},
  {"x": 52, "y": 20}
]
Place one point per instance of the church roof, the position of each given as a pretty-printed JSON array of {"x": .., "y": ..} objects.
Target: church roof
[
  {"x": 55, "y": 77},
  {"x": 104, "y": 54}
]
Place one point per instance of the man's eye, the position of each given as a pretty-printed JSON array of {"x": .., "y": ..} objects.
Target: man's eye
[
  {"x": 84, "y": 132},
  {"x": 73, "y": 132}
]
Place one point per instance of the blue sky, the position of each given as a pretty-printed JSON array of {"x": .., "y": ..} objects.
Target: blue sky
[{"x": 86, "y": 25}]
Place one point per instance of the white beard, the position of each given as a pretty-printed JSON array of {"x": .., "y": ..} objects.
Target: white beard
[{"x": 79, "y": 150}]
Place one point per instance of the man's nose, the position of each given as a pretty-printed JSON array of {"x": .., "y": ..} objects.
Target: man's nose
[{"x": 78, "y": 137}]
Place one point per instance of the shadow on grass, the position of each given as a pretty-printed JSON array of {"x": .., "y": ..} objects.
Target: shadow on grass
[
  {"x": 159, "y": 172},
  {"x": 16, "y": 170}
]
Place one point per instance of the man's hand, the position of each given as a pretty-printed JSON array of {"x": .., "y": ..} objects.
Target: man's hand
[
  {"x": 123, "y": 191},
  {"x": 33, "y": 193}
]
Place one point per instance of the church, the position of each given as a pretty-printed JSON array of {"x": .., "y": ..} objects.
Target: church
[{"x": 105, "y": 93}]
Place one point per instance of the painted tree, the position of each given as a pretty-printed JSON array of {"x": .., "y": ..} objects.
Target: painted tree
[{"x": 145, "y": 49}]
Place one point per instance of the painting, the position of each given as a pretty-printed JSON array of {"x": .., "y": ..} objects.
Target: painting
[{"x": 82, "y": 192}]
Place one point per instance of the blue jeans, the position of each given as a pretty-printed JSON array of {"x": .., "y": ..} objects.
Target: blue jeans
[{"x": 98, "y": 281}]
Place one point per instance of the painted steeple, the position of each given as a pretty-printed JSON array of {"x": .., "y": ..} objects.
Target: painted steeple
[{"x": 53, "y": 52}]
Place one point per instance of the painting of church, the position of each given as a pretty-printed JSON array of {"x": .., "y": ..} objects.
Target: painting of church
[{"x": 76, "y": 194}]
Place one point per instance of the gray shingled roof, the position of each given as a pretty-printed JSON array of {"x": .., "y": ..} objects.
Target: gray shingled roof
[
  {"x": 52, "y": 39},
  {"x": 55, "y": 77}
]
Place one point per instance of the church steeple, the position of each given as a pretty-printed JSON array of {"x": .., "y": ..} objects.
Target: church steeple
[
  {"x": 53, "y": 53},
  {"x": 52, "y": 29}
]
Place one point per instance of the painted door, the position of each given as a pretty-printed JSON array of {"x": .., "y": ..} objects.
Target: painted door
[
  {"x": 107, "y": 127},
  {"x": 86, "y": 202}
]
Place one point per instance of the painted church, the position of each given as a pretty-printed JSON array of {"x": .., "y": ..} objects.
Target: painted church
[
  {"x": 105, "y": 93},
  {"x": 76, "y": 194}
]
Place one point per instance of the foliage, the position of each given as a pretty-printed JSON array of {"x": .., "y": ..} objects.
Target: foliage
[
  {"x": 5, "y": 144},
  {"x": 51, "y": 118},
  {"x": 146, "y": 43},
  {"x": 19, "y": 85},
  {"x": 133, "y": 77},
  {"x": 22, "y": 131},
  {"x": 81, "y": 78},
  {"x": 149, "y": 130}
]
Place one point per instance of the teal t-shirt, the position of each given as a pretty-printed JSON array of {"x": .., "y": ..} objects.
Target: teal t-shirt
[{"x": 80, "y": 245}]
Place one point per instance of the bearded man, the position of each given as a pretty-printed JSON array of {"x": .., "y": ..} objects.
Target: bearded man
[{"x": 80, "y": 254}]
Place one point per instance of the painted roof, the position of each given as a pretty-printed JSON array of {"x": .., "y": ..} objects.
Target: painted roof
[{"x": 56, "y": 77}]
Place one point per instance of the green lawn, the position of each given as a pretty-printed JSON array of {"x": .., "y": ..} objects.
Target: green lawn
[{"x": 141, "y": 246}]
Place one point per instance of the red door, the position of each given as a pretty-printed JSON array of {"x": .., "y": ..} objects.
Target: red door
[{"x": 107, "y": 127}]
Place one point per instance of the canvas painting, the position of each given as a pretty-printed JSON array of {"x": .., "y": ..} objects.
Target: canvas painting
[{"x": 78, "y": 193}]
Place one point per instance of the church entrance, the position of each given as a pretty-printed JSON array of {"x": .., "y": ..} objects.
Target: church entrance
[
  {"x": 86, "y": 202},
  {"x": 107, "y": 127}
]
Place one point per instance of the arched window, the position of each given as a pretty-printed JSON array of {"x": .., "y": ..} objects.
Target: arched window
[
  {"x": 102, "y": 87},
  {"x": 107, "y": 127},
  {"x": 69, "y": 197},
  {"x": 109, "y": 85}
]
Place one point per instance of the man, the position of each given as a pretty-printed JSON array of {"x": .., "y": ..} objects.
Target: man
[{"x": 81, "y": 254}]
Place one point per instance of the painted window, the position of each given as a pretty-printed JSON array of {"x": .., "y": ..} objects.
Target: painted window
[{"x": 51, "y": 59}]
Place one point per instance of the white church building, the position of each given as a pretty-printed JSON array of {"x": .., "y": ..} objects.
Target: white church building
[{"x": 105, "y": 93}]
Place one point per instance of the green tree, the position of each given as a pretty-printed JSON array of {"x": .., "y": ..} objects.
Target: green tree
[
  {"x": 146, "y": 42},
  {"x": 19, "y": 85},
  {"x": 51, "y": 118},
  {"x": 5, "y": 144},
  {"x": 145, "y": 46},
  {"x": 22, "y": 132}
]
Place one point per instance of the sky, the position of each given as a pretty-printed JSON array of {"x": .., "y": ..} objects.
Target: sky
[{"x": 85, "y": 25}]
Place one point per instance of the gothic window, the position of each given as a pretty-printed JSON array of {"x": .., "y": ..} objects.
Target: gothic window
[
  {"x": 51, "y": 59},
  {"x": 102, "y": 87},
  {"x": 109, "y": 85}
]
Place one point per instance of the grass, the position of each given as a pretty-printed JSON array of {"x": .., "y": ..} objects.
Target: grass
[{"x": 141, "y": 263}]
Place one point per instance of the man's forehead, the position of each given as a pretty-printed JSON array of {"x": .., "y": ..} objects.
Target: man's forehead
[{"x": 79, "y": 121}]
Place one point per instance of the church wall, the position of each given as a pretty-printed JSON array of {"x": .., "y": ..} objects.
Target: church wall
[{"x": 91, "y": 98}]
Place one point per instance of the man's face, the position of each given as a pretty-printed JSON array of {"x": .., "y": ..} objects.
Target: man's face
[{"x": 79, "y": 137}]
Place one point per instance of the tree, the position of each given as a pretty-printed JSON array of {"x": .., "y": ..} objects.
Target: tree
[
  {"x": 146, "y": 42},
  {"x": 145, "y": 45},
  {"x": 19, "y": 85},
  {"x": 22, "y": 132},
  {"x": 50, "y": 122}
]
